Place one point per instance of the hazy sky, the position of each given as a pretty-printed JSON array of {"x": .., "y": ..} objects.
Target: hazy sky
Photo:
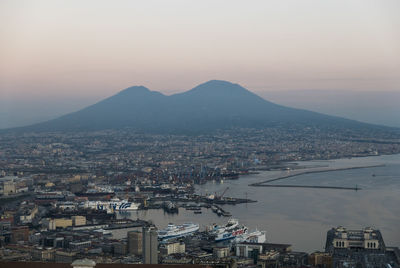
[{"x": 52, "y": 50}]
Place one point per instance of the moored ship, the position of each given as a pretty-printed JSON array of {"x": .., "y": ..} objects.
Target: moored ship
[
  {"x": 230, "y": 234},
  {"x": 173, "y": 231},
  {"x": 170, "y": 207},
  {"x": 232, "y": 223},
  {"x": 253, "y": 237},
  {"x": 227, "y": 231},
  {"x": 112, "y": 205}
]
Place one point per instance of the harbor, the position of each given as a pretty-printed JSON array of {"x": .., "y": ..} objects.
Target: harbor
[
  {"x": 298, "y": 207},
  {"x": 231, "y": 231}
]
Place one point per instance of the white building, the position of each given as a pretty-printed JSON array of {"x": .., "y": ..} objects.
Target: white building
[{"x": 367, "y": 238}]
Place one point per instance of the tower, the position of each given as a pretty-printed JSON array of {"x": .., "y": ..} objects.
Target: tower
[
  {"x": 150, "y": 245},
  {"x": 135, "y": 242}
]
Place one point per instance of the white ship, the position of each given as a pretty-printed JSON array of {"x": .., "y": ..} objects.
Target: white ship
[
  {"x": 113, "y": 205},
  {"x": 230, "y": 234},
  {"x": 228, "y": 231},
  {"x": 178, "y": 230},
  {"x": 253, "y": 237},
  {"x": 232, "y": 223}
]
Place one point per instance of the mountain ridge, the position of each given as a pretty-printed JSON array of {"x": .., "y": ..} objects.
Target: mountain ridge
[{"x": 215, "y": 104}]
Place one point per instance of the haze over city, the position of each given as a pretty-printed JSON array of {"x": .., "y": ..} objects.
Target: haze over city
[
  {"x": 199, "y": 134},
  {"x": 60, "y": 56}
]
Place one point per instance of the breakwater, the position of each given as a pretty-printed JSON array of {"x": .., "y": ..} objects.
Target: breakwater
[
  {"x": 310, "y": 186},
  {"x": 265, "y": 183}
]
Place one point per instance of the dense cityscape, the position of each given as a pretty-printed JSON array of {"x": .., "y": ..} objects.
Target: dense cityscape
[
  {"x": 199, "y": 134},
  {"x": 64, "y": 194}
]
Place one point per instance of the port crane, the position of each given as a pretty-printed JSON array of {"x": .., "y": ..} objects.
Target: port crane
[
  {"x": 223, "y": 193},
  {"x": 217, "y": 197}
]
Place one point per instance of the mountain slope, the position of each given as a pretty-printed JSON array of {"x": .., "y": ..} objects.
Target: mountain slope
[{"x": 211, "y": 105}]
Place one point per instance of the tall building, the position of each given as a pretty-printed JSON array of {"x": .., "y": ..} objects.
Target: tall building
[
  {"x": 150, "y": 245},
  {"x": 135, "y": 244}
]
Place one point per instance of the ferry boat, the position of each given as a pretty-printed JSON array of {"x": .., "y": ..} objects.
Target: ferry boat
[
  {"x": 232, "y": 223},
  {"x": 253, "y": 237},
  {"x": 230, "y": 234},
  {"x": 113, "y": 205},
  {"x": 227, "y": 231},
  {"x": 173, "y": 231},
  {"x": 124, "y": 205}
]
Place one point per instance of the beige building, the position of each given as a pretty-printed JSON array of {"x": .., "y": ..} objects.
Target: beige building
[
  {"x": 63, "y": 256},
  {"x": 78, "y": 220},
  {"x": 320, "y": 259},
  {"x": 173, "y": 248},
  {"x": 221, "y": 252},
  {"x": 53, "y": 224},
  {"x": 28, "y": 213},
  {"x": 9, "y": 188},
  {"x": 43, "y": 254}
]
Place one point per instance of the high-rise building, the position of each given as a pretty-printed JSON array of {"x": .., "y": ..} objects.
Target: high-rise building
[
  {"x": 150, "y": 245},
  {"x": 135, "y": 244}
]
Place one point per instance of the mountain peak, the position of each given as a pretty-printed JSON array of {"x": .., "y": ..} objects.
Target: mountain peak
[
  {"x": 217, "y": 87},
  {"x": 135, "y": 89},
  {"x": 218, "y": 84},
  {"x": 215, "y": 82},
  {"x": 137, "y": 92}
]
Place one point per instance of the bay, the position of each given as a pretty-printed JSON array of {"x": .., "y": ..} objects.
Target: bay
[{"x": 302, "y": 216}]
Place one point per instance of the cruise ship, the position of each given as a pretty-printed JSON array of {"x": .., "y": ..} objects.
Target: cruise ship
[
  {"x": 112, "y": 205},
  {"x": 173, "y": 231}
]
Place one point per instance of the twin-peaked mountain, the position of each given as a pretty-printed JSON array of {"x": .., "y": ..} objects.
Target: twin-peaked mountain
[{"x": 209, "y": 106}]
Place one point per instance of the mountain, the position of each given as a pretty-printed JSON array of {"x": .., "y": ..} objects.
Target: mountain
[{"x": 212, "y": 105}]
